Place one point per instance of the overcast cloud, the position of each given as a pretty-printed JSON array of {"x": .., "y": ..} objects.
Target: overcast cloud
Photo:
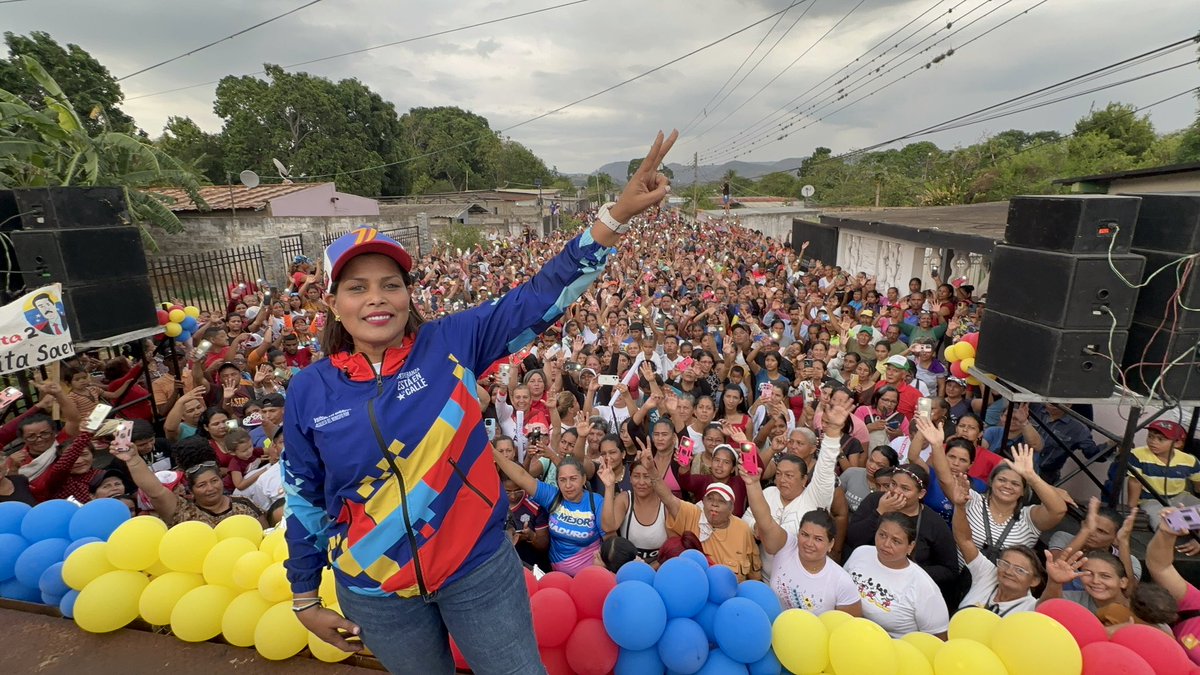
[{"x": 513, "y": 71}]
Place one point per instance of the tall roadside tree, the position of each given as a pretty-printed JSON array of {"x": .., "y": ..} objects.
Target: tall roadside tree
[
  {"x": 446, "y": 147},
  {"x": 517, "y": 165},
  {"x": 195, "y": 148},
  {"x": 316, "y": 127},
  {"x": 93, "y": 91}
]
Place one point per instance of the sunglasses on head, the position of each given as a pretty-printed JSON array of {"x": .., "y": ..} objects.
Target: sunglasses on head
[{"x": 202, "y": 466}]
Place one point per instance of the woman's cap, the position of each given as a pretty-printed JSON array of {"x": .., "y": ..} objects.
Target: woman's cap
[
  {"x": 721, "y": 489},
  {"x": 359, "y": 241}
]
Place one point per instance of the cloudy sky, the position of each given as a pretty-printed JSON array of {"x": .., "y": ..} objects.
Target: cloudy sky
[{"x": 515, "y": 70}]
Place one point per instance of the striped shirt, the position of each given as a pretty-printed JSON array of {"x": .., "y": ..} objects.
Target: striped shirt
[
  {"x": 1170, "y": 478},
  {"x": 1023, "y": 531}
]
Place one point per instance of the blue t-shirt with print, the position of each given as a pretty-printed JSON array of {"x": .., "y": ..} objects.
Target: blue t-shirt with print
[
  {"x": 936, "y": 499},
  {"x": 573, "y": 525}
]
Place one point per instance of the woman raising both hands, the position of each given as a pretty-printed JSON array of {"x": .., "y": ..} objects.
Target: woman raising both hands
[{"x": 388, "y": 472}]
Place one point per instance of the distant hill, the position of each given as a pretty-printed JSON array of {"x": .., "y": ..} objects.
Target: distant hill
[{"x": 708, "y": 173}]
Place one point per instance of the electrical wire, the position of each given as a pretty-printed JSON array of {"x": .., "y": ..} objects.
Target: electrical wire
[{"x": 381, "y": 46}]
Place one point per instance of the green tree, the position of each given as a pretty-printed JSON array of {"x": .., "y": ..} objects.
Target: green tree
[
  {"x": 634, "y": 164},
  {"x": 92, "y": 90},
  {"x": 193, "y": 147},
  {"x": 319, "y": 128},
  {"x": 445, "y": 143},
  {"x": 516, "y": 164},
  {"x": 1189, "y": 144},
  {"x": 1132, "y": 135},
  {"x": 780, "y": 184},
  {"x": 599, "y": 185},
  {"x": 49, "y": 145}
]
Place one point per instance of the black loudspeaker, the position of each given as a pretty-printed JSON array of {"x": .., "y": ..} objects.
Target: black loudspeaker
[
  {"x": 1169, "y": 222},
  {"x": 1053, "y": 362},
  {"x": 1063, "y": 290},
  {"x": 1073, "y": 223},
  {"x": 103, "y": 310},
  {"x": 1155, "y": 296},
  {"x": 79, "y": 256},
  {"x": 64, "y": 208},
  {"x": 1158, "y": 349}
]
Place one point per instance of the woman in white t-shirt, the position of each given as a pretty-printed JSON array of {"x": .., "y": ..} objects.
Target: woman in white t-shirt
[
  {"x": 803, "y": 576},
  {"x": 1003, "y": 587},
  {"x": 896, "y": 593}
]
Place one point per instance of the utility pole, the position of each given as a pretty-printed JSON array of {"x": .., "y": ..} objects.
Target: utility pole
[{"x": 695, "y": 184}]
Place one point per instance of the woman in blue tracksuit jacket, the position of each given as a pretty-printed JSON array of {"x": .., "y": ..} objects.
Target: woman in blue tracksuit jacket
[{"x": 387, "y": 468}]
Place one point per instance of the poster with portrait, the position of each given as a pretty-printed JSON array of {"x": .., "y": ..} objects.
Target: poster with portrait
[{"x": 34, "y": 330}]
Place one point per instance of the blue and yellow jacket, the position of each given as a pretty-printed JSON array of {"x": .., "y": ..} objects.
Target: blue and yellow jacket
[{"x": 389, "y": 476}]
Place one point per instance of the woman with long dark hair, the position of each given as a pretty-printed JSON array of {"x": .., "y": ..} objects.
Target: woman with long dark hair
[{"x": 388, "y": 471}]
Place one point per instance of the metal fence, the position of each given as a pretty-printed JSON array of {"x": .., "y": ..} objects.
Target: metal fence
[
  {"x": 201, "y": 279},
  {"x": 408, "y": 235},
  {"x": 292, "y": 245}
]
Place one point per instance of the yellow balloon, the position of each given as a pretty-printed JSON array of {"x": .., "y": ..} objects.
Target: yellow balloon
[
  {"x": 834, "y": 618},
  {"x": 973, "y": 623},
  {"x": 801, "y": 642},
  {"x": 973, "y": 381},
  {"x": 911, "y": 660},
  {"x": 173, "y": 329},
  {"x": 110, "y": 601},
  {"x": 192, "y": 311},
  {"x": 279, "y": 634},
  {"x": 241, "y": 618},
  {"x": 328, "y": 589},
  {"x": 134, "y": 545},
  {"x": 270, "y": 541},
  {"x": 926, "y": 643},
  {"x": 1029, "y": 643},
  {"x": 952, "y": 352},
  {"x": 176, "y": 315},
  {"x": 218, "y": 564},
  {"x": 244, "y": 527},
  {"x": 185, "y": 545},
  {"x": 197, "y": 616},
  {"x": 968, "y": 657},
  {"x": 966, "y": 351},
  {"x": 86, "y": 563},
  {"x": 861, "y": 647},
  {"x": 248, "y": 569},
  {"x": 157, "y": 569},
  {"x": 163, "y": 593},
  {"x": 273, "y": 584},
  {"x": 967, "y": 363},
  {"x": 281, "y": 552},
  {"x": 323, "y": 651}
]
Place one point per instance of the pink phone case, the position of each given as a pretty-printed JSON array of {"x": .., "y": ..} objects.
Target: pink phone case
[
  {"x": 1185, "y": 518},
  {"x": 124, "y": 436},
  {"x": 687, "y": 448},
  {"x": 8, "y": 396},
  {"x": 750, "y": 461}
]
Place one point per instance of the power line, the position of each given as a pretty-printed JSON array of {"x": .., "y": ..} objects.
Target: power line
[
  {"x": 381, "y": 46},
  {"x": 572, "y": 103},
  {"x": 231, "y": 36}
]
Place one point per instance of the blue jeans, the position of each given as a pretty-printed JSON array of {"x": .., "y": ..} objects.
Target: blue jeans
[{"x": 486, "y": 611}]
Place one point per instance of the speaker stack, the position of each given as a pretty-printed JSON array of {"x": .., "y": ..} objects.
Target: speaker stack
[
  {"x": 1163, "y": 331},
  {"x": 82, "y": 238},
  {"x": 1059, "y": 283}
]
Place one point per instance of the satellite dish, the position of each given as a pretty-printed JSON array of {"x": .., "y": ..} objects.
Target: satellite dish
[
  {"x": 248, "y": 178},
  {"x": 283, "y": 170},
  {"x": 808, "y": 191}
]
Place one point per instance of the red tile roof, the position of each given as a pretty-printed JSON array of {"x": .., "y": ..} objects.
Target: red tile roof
[{"x": 225, "y": 197}]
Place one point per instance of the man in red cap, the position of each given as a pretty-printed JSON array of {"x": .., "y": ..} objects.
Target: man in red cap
[{"x": 1172, "y": 473}]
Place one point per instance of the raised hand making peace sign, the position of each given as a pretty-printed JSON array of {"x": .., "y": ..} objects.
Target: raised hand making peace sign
[{"x": 647, "y": 187}]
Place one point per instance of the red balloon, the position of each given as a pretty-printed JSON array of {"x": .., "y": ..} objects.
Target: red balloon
[
  {"x": 1157, "y": 648},
  {"x": 554, "y": 616},
  {"x": 1107, "y": 658},
  {"x": 175, "y": 307},
  {"x": 555, "y": 660},
  {"x": 1079, "y": 622},
  {"x": 957, "y": 371},
  {"x": 163, "y": 317},
  {"x": 531, "y": 583},
  {"x": 971, "y": 339},
  {"x": 589, "y": 649},
  {"x": 460, "y": 661},
  {"x": 589, "y": 588},
  {"x": 557, "y": 580}
]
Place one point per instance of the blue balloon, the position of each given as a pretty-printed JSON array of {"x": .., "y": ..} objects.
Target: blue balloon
[
  {"x": 639, "y": 662},
  {"x": 722, "y": 584},
  {"x": 695, "y": 556},
  {"x": 49, "y": 520},
  {"x": 35, "y": 559},
  {"x": 184, "y": 336},
  {"x": 11, "y": 548},
  {"x": 51, "y": 600},
  {"x": 763, "y": 595},
  {"x": 98, "y": 518},
  {"x": 707, "y": 618},
  {"x": 11, "y": 515},
  {"x": 634, "y": 615},
  {"x": 719, "y": 663},
  {"x": 683, "y": 586},
  {"x": 743, "y": 630},
  {"x": 67, "y": 606},
  {"x": 767, "y": 665},
  {"x": 636, "y": 570},
  {"x": 79, "y": 543},
  {"x": 52, "y": 582},
  {"x": 15, "y": 590},
  {"x": 188, "y": 323},
  {"x": 683, "y": 647}
]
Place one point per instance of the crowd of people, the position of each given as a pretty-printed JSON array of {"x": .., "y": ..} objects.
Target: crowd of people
[{"x": 715, "y": 389}]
